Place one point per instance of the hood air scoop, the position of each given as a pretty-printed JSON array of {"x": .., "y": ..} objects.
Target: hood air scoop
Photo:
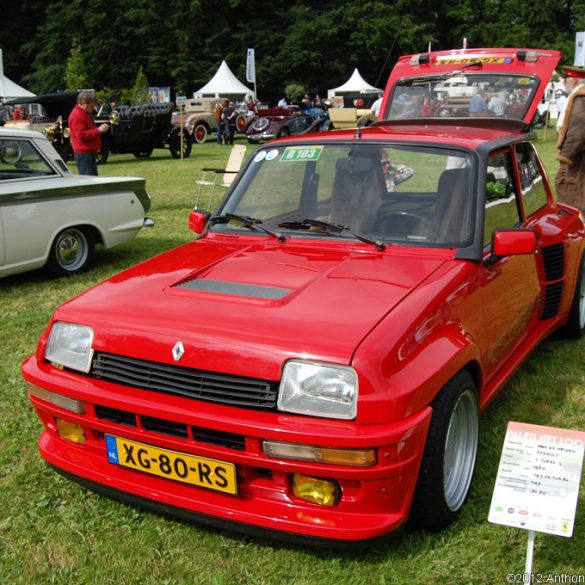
[{"x": 235, "y": 288}]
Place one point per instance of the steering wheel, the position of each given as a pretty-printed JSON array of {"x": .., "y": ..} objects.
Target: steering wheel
[{"x": 404, "y": 223}]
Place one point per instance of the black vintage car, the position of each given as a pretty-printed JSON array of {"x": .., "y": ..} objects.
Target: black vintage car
[{"x": 133, "y": 129}]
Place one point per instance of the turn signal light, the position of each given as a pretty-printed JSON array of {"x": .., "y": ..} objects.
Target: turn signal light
[
  {"x": 76, "y": 406},
  {"x": 71, "y": 431},
  {"x": 351, "y": 457},
  {"x": 318, "y": 491}
]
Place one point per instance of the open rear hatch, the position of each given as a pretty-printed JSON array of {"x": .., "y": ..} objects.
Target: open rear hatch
[{"x": 478, "y": 83}]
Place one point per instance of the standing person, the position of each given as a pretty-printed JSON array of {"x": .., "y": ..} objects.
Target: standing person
[
  {"x": 282, "y": 102},
  {"x": 570, "y": 178},
  {"x": 229, "y": 121},
  {"x": 217, "y": 114},
  {"x": 477, "y": 104},
  {"x": 497, "y": 105},
  {"x": 86, "y": 139},
  {"x": 377, "y": 105}
]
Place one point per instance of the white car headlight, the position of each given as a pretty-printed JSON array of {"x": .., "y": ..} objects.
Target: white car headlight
[
  {"x": 319, "y": 390},
  {"x": 70, "y": 346}
]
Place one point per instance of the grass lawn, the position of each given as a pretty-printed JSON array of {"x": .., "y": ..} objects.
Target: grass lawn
[{"x": 53, "y": 531}]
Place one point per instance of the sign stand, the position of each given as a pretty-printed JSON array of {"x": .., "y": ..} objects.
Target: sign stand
[
  {"x": 181, "y": 101},
  {"x": 529, "y": 552}
]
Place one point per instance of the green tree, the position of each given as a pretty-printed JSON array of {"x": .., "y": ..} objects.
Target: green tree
[
  {"x": 140, "y": 89},
  {"x": 75, "y": 73}
]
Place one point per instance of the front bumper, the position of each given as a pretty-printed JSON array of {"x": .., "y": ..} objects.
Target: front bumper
[
  {"x": 258, "y": 138},
  {"x": 375, "y": 501}
]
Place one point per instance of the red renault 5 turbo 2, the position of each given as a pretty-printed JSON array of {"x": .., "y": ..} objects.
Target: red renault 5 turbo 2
[{"x": 313, "y": 366}]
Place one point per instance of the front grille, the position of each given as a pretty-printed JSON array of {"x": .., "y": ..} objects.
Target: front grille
[
  {"x": 164, "y": 427},
  {"x": 171, "y": 428},
  {"x": 186, "y": 382}
]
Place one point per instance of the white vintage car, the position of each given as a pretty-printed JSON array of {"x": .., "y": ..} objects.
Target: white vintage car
[{"x": 50, "y": 217}]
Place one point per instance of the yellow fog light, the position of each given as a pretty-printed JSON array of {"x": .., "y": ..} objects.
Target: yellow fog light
[
  {"x": 71, "y": 431},
  {"x": 315, "y": 490}
]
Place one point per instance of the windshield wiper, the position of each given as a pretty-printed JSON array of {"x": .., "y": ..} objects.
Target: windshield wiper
[
  {"x": 251, "y": 223},
  {"x": 331, "y": 227}
]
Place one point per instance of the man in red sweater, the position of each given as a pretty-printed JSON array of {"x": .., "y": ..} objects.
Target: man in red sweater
[{"x": 86, "y": 138}]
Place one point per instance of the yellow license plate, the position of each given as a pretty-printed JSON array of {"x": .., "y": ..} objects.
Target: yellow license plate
[{"x": 199, "y": 471}]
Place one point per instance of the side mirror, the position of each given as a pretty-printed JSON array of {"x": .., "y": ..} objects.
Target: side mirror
[
  {"x": 513, "y": 242},
  {"x": 198, "y": 220}
]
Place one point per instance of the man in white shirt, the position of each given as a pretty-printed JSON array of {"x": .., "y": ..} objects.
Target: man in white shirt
[{"x": 377, "y": 104}]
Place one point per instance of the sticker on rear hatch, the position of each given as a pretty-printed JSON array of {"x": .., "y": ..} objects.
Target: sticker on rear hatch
[
  {"x": 468, "y": 60},
  {"x": 303, "y": 153}
]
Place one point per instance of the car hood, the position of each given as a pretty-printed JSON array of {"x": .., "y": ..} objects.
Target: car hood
[{"x": 245, "y": 309}]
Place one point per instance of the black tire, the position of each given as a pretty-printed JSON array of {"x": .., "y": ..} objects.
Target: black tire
[
  {"x": 103, "y": 155},
  {"x": 175, "y": 143},
  {"x": 575, "y": 325},
  {"x": 144, "y": 153},
  {"x": 449, "y": 457},
  {"x": 72, "y": 252},
  {"x": 200, "y": 133}
]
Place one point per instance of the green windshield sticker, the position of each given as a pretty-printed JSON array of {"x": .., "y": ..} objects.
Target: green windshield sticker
[{"x": 304, "y": 153}]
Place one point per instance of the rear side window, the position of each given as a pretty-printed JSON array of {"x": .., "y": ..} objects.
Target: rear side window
[{"x": 534, "y": 194}]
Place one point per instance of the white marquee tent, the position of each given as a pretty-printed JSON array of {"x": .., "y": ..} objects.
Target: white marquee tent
[
  {"x": 223, "y": 83},
  {"x": 11, "y": 91},
  {"x": 355, "y": 84}
]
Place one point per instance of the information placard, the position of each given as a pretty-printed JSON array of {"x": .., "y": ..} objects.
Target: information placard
[{"x": 537, "y": 485}]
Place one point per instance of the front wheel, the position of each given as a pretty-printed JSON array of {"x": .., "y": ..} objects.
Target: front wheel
[
  {"x": 449, "y": 457},
  {"x": 200, "y": 133},
  {"x": 72, "y": 251},
  {"x": 175, "y": 143}
]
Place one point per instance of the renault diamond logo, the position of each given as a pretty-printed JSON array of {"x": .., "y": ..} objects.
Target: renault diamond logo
[{"x": 178, "y": 351}]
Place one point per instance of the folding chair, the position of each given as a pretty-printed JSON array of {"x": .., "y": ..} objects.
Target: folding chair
[{"x": 221, "y": 177}]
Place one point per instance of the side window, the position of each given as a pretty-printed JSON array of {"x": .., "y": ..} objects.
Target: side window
[
  {"x": 501, "y": 208},
  {"x": 534, "y": 194}
]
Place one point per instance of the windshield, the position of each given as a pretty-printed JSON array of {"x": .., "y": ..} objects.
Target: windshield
[
  {"x": 401, "y": 194},
  {"x": 463, "y": 95}
]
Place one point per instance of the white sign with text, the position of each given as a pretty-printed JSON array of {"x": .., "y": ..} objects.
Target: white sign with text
[{"x": 537, "y": 485}]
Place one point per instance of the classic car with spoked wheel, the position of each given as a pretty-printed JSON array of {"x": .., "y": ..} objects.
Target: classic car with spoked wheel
[
  {"x": 313, "y": 366},
  {"x": 281, "y": 122},
  {"x": 198, "y": 118},
  {"x": 51, "y": 218},
  {"x": 136, "y": 130}
]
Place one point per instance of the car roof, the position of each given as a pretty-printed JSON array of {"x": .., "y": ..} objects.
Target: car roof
[
  {"x": 469, "y": 134},
  {"x": 7, "y": 132}
]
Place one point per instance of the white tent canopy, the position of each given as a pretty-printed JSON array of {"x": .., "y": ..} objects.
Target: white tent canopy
[
  {"x": 10, "y": 90},
  {"x": 223, "y": 83},
  {"x": 355, "y": 84}
]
